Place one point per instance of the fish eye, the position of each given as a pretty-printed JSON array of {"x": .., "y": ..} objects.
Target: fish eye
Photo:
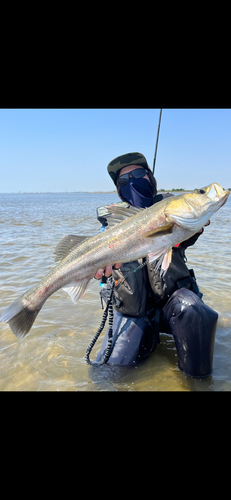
[{"x": 201, "y": 191}]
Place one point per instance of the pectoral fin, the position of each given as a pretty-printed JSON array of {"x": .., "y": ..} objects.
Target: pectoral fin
[{"x": 161, "y": 230}]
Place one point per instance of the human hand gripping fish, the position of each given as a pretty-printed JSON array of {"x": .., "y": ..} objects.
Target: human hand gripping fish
[
  {"x": 107, "y": 271},
  {"x": 132, "y": 234}
]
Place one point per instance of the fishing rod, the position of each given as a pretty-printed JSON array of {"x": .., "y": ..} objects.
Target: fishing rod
[{"x": 157, "y": 138}]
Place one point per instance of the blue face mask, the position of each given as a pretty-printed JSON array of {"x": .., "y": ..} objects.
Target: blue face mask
[{"x": 138, "y": 192}]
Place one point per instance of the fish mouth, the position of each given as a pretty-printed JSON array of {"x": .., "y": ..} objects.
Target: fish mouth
[
  {"x": 194, "y": 221},
  {"x": 215, "y": 192},
  {"x": 227, "y": 193}
]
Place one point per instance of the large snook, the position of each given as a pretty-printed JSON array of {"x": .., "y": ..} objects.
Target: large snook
[{"x": 131, "y": 234}]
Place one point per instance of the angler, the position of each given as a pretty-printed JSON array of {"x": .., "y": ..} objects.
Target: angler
[
  {"x": 135, "y": 234},
  {"x": 147, "y": 302}
]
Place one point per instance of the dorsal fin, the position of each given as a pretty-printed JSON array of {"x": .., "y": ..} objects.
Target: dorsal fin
[
  {"x": 66, "y": 245},
  {"x": 129, "y": 209},
  {"x": 118, "y": 214}
]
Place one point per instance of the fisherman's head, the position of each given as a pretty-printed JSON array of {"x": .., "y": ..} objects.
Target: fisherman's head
[{"x": 133, "y": 179}]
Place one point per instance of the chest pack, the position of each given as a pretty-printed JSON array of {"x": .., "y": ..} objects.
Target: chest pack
[{"x": 130, "y": 291}]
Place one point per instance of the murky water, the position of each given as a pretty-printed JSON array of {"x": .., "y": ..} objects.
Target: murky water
[{"x": 52, "y": 355}]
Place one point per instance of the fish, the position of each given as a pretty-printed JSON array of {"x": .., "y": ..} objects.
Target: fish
[{"x": 131, "y": 234}]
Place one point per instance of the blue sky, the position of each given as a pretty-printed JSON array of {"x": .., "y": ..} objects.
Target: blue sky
[{"x": 69, "y": 149}]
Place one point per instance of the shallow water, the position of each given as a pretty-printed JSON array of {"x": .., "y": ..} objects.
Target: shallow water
[{"x": 52, "y": 356}]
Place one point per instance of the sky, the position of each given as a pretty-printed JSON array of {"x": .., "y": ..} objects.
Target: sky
[{"x": 57, "y": 150}]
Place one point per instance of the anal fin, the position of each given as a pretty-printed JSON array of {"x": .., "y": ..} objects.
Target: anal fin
[{"x": 77, "y": 289}]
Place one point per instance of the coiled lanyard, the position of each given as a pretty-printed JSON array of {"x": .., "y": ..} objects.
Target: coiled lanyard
[{"x": 107, "y": 313}]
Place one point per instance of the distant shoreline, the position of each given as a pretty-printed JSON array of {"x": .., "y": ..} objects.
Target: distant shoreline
[
  {"x": 92, "y": 192},
  {"x": 173, "y": 190}
]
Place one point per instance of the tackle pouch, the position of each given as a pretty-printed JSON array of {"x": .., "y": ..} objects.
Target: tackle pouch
[{"x": 130, "y": 291}]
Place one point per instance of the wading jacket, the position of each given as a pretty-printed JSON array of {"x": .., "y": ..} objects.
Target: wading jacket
[{"x": 142, "y": 290}]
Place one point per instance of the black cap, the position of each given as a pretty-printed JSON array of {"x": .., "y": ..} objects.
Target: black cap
[{"x": 122, "y": 161}]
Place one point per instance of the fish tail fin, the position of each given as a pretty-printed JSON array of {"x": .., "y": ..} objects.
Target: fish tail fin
[{"x": 20, "y": 316}]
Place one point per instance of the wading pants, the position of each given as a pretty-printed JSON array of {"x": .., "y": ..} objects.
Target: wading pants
[{"x": 191, "y": 322}]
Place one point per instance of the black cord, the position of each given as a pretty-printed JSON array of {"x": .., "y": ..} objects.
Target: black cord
[{"x": 108, "y": 310}]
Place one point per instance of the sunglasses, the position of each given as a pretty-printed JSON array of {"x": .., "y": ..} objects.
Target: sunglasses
[{"x": 138, "y": 173}]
